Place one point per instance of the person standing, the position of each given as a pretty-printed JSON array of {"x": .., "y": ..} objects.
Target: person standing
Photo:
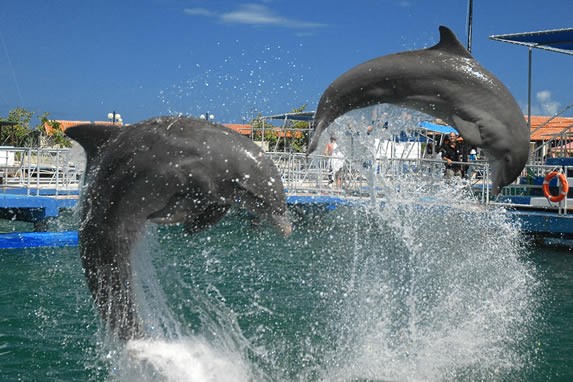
[
  {"x": 335, "y": 162},
  {"x": 472, "y": 157},
  {"x": 452, "y": 156}
]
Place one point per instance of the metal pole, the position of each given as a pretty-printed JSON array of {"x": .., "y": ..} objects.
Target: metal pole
[
  {"x": 470, "y": 23},
  {"x": 529, "y": 89},
  {"x": 29, "y": 177},
  {"x": 38, "y": 172},
  {"x": 59, "y": 169}
]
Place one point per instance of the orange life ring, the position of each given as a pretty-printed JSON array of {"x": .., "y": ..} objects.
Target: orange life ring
[{"x": 564, "y": 186}]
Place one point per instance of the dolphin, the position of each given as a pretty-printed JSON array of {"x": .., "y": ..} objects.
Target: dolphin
[
  {"x": 165, "y": 170},
  {"x": 444, "y": 81}
]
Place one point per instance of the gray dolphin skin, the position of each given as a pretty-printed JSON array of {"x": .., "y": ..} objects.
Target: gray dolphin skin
[
  {"x": 165, "y": 170},
  {"x": 444, "y": 81}
]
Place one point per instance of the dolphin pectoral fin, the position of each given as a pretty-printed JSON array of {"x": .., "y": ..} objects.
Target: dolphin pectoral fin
[
  {"x": 172, "y": 213},
  {"x": 470, "y": 131},
  {"x": 211, "y": 215}
]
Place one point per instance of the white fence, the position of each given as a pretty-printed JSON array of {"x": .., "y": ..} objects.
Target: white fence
[
  {"x": 361, "y": 178},
  {"x": 57, "y": 171},
  {"x": 38, "y": 169}
]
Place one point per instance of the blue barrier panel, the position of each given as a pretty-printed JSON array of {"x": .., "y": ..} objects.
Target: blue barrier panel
[{"x": 38, "y": 239}]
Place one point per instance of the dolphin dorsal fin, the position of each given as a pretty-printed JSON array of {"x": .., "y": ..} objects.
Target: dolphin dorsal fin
[
  {"x": 450, "y": 43},
  {"x": 92, "y": 137}
]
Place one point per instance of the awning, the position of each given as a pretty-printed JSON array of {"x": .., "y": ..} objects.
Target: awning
[
  {"x": 300, "y": 116},
  {"x": 5, "y": 122},
  {"x": 557, "y": 40},
  {"x": 442, "y": 129}
]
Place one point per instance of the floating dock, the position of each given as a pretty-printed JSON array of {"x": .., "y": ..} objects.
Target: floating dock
[
  {"x": 34, "y": 209},
  {"x": 544, "y": 223},
  {"x": 20, "y": 240},
  {"x": 38, "y": 208}
]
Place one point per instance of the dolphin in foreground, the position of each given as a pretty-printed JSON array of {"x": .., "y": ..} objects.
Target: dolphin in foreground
[
  {"x": 165, "y": 170},
  {"x": 444, "y": 81}
]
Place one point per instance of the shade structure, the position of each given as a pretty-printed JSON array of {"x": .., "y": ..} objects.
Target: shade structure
[{"x": 557, "y": 40}]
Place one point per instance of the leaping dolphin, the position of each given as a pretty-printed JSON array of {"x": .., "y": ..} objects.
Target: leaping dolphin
[
  {"x": 444, "y": 81},
  {"x": 166, "y": 170}
]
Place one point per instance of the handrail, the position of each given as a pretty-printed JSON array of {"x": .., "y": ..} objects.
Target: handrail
[
  {"x": 38, "y": 170},
  {"x": 366, "y": 178},
  {"x": 531, "y": 185}
]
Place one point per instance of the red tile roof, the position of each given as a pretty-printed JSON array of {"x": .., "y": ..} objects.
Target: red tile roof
[
  {"x": 240, "y": 128},
  {"x": 66, "y": 124},
  {"x": 556, "y": 127},
  {"x": 247, "y": 130}
]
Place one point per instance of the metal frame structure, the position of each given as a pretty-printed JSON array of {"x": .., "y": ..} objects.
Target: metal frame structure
[{"x": 555, "y": 40}]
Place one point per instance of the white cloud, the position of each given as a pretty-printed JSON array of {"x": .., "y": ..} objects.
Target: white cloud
[
  {"x": 198, "y": 12},
  {"x": 543, "y": 96},
  {"x": 253, "y": 14},
  {"x": 546, "y": 103}
]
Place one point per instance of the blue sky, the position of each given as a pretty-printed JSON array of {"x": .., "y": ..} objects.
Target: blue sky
[{"x": 79, "y": 60}]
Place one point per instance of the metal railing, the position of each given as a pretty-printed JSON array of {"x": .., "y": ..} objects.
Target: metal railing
[
  {"x": 54, "y": 171},
  {"x": 38, "y": 171},
  {"x": 414, "y": 178},
  {"x": 530, "y": 185},
  {"x": 303, "y": 174}
]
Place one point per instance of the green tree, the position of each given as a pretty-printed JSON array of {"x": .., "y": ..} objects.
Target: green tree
[
  {"x": 299, "y": 142},
  {"x": 57, "y": 136},
  {"x": 17, "y": 133},
  {"x": 263, "y": 131},
  {"x": 297, "y": 133},
  {"x": 18, "y": 130}
]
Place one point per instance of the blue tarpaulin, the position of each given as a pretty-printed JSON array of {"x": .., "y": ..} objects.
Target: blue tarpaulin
[
  {"x": 558, "y": 40},
  {"x": 443, "y": 129}
]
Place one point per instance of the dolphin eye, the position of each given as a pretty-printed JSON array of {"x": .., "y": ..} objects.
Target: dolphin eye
[{"x": 508, "y": 159}]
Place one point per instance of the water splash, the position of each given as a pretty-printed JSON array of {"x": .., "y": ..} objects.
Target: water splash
[
  {"x": 440, "y": 291},
  {"x": 409, "y": 291},
  {"x": 199, "y": 340},
  {"x": 187, "y": 359}
]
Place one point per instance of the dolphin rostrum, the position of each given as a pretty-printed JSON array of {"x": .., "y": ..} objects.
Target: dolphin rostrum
[
  {"x": 443, "y": 81},
  {"x": 166, "y": 170}
]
